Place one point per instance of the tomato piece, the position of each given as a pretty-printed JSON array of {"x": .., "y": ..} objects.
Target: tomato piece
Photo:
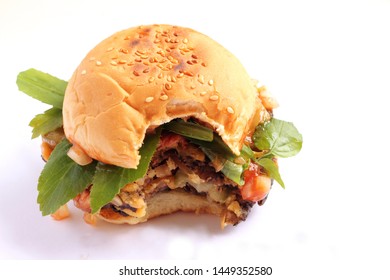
[{"x": 257, "y": 185}]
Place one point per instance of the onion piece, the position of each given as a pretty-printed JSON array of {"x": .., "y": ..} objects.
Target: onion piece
[
  {"x": 61, "y": 213},
  {"x": 78, "y": 155},
  {"x": 267, "y": 99},
  {"x": 90, "y": 219},
  {"x": 46, "y": 150}
]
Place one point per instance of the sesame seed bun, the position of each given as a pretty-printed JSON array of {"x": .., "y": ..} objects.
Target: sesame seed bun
[{"x": 146, "y": 76}]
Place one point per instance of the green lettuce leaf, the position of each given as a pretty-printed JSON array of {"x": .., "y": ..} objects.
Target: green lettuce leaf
[
  {"x": 272, "y": 169},
  {"x": 50, "y": 120},
  {"x": 190, "y": 130},
  {"x": 279, "y": 138},
  {"x": 62, "y": 179},
  {"x": 109, "y": 179},
  {"x": 230, "y": 169},
  {"x": 42, "y": 86}
]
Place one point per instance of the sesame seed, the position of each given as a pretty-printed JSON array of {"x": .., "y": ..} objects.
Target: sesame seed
[
  {"x": 122, "y": 61},
  {"x": 125, "y": 51},
  {"x": 83, "y": 72},
  {"x": 203, "y": 64},
  {"x": 211, "y": 82},
  {"x": 151, "y": 79},
  {"x": 149, "y": 99},
  {"x": 110, "y": 49},
  {"x": 203, "y": 93},
  {"x": 185, "y": 40},
  {"x": 146, "y": 70},
  {"x": 138, "y": 60},
  {"x": 173, "y": 79},
  {"x": 214, "y": 97},
  {"x": 189, "y": 73},
  {"x": 113, "y": 63},
  {"x": 92, "y": 58},
  {"x": 193, "y": 86},
  {"x": 230, "y": 110},
  {"x": 169, "y": 78},
  {"x": 157, "y": 41},
  {"x": 180, "y": 75},
  {"x": 168, "y": 86},
  {"x": 160, "y": 75},
  {"x": 135, "y": 73},
  {"x": 194, "y": 56},
  {"x": 98, "y": 62},
  {"x": 164, "y": 97},
  {"x": 141, "y": 51},
  {"x": 201, "y": 79}
]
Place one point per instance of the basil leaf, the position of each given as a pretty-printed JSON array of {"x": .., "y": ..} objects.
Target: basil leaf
[
  {"x": 190, "y": 130},
  {"x": 50, "y": 120},
  {"x": 280, "y": 138},
  {"x": 272, "y": 169},
  {"x": 246, "y": 152},
  {"x": 42, "y": 86},
  {"x": 62, "y": 179},
  {"x": 109, "y": 179}
]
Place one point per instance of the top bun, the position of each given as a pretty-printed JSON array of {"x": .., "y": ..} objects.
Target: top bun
[{"x": 146, "y": 76}]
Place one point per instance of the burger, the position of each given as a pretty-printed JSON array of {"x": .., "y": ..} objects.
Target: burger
[{"x": 155, "y": 120}]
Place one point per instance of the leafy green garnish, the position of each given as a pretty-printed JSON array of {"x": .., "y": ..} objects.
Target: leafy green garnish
[
  {"x": 42, "y": 86},
  {"x": 62, "y": 179},
  {"x": 247, "y": 152},
  {"x": 190, "y": 130},
  {"x": 50, "y": 120},
  {"x": 217, "y": 146},
  {"x": 230, "y": 169},
  {"x": 272, "y": 169},
  {"x": 109, "y": 179},
  {"x": 278, "y": 138}
]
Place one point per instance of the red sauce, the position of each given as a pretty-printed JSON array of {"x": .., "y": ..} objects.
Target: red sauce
[{"x": 257, "y": 185}]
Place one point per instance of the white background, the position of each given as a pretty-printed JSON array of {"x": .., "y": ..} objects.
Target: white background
[{"x": 327, "y": 63}]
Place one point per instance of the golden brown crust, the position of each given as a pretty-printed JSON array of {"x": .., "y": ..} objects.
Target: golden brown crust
[{"x": 146, "y": 76}]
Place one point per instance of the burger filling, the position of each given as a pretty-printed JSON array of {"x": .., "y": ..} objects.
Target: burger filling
[{"x": 181, "y": 159}]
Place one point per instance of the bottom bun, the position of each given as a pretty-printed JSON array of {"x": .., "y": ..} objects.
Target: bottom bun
[{"x": 169, "y": 202}]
